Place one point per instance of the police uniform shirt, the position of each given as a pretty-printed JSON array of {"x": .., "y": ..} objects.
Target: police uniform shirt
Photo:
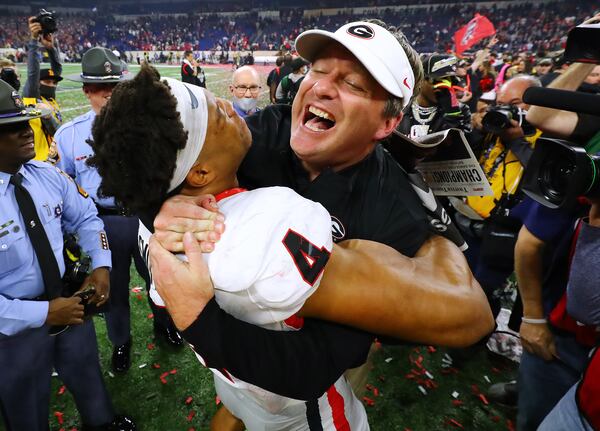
[
  {"x": 371, "y": 200},
  {"x": 74, "y": 152},
  {"x": 60, "y": 206}
]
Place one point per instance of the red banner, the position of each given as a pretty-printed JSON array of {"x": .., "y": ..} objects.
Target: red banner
[{"x": 478, "y": 28}]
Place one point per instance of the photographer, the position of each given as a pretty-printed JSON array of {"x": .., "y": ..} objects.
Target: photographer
[
  {"x": 486, "y": 222},
  {"x": 40, "y": 87}
]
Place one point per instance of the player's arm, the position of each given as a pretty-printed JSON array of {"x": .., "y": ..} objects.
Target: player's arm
[{"x": 432, "y": 298}]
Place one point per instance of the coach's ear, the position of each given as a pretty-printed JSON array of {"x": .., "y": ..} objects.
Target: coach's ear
[{"x": 199, "y": 176}]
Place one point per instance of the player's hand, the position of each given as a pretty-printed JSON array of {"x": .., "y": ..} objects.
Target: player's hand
[
  {"x": 185, "y": 287},
  {"x": 196, "y": 214},
  {"x": 35, "y": 28},
  {"x": 467, "y": 95},
  {"x": 100, "y": 279},
  {"x": 65, "y": 311},
  {"x": 538, "y": 340},
  {"x": 593, "y": 20}
]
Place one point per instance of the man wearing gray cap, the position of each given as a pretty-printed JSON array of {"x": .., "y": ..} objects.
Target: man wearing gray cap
[
  {"x": 326, "y": 147},
  {"x": 101, "y": 72}
]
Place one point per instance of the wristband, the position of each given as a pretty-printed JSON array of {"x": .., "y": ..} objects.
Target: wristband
[{"x": 534, "y": 321}]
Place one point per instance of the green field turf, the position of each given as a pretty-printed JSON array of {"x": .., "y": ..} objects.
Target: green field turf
[{"x": 187, "y": 400}]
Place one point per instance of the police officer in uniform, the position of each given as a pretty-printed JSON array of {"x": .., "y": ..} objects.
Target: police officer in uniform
[
  {"x": 101, "y": 71},
  {"x": 37, "y": 201}
]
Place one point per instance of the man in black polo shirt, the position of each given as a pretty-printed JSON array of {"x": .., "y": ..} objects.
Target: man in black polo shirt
[{"x": 326, "y": 148}]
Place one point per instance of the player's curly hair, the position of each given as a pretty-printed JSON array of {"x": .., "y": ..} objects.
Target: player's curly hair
[{"x": 135, "y": 139}]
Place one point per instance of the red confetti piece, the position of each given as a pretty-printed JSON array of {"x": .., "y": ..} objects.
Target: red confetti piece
[
  {"x": 156, "y": 366},
  {"x": 59, "y": 417},
  {"x": 217, "y": 400},
  {"x": 163, "y": 378},
  {"x": 484, "y": 399},
  {"x": 376, "y": 392},
  {"x": 150, "y": 346},
  {"x": 151, "y": 316},
  {"x": 475, "y": 389},
  {"x": 509, "y": 425},
  {"x": 173, "y": 371},
  {"x": 455, "y": 423},
  {"x": 138, "y": 297},
  {"x": 457, "y": 403},
  {"x": 369, "y": 387},
  {"x": 191, "y": 415},
  {"x": 368, "y": 401},
  {"x": 188, "y": 400},
  {"x": 449, "y": 370},
  {"x": 192, "y": 429},
  {"x": 431, "y": 349},
  {"x": 62, "y": 390}
]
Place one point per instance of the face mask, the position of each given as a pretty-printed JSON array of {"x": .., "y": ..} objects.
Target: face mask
[
  {"x": 246, "y": 104},
  {"x": 47, "y": 91},
  {"x": 10, "y": 77}
]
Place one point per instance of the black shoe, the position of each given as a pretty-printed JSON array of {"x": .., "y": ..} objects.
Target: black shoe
[
  {"x": 121, "y": 357},
  {"x": 168, "y": 334},
  {"x": 505, "y": 394},
  {"x": 119, "y": 423}
]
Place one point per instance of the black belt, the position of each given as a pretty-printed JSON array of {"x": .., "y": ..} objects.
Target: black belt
[{"x": 110, "y": 211}]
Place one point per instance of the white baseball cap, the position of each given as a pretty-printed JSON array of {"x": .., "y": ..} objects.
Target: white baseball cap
[{"x": 375, "y": 47}]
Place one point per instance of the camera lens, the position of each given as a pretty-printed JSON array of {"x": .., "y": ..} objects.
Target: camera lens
[{"x": 554, "y": 178}]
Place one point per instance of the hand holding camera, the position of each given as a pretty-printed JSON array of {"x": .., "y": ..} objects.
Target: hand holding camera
[{"x": 42, "y": 28}]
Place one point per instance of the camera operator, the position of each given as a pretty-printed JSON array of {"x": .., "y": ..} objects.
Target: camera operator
[
  {"x": 565, "y": 124},
  {"x": 579, "y": 409},
  {"x": 486, "y": 222},
  {"x": 40, "y": 87},
  {"x": 436, "y": 107}
]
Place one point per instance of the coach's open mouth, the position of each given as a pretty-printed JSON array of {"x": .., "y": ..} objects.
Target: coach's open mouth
[{"x": 318, "y": 120}]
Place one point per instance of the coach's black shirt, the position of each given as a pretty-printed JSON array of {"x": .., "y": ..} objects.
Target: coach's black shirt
[{"x": 371, "y": 200}]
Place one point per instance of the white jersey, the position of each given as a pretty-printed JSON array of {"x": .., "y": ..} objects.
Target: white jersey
[{"x": 269, "y": 260}]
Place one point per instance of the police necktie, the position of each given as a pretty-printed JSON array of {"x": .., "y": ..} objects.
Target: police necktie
[{"x": 38, "y": 238}]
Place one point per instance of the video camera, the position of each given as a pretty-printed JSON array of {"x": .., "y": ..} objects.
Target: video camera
[
  {"x": 560, "y": 171},
  {"x": 47, "y": 20}
]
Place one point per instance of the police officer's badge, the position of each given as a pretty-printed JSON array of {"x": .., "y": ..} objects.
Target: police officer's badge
[
  {"x": 107, "y": 67},
  {"x": 17, "y": 99}
]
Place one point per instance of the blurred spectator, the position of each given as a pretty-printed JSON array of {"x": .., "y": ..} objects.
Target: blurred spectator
[
  {"x": 245, "y": 89},
  {"x": 289, "y": 84}
]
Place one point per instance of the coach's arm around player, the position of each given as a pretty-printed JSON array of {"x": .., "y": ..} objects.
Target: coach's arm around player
[{"x": 432, "y": 298}]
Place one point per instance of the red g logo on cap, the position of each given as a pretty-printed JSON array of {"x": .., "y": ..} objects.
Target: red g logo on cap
[{"x": 361, "y": 31}]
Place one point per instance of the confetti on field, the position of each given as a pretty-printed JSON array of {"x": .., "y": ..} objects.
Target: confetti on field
[
  {"x": 509, "y": 425},
  {"x": 388, "y": 360},
  {"x": 54, "y": 374},
  {"x": 368, "y": 401},
  {"x": 431, "y": 349},
  {"x": 217, "y": 400},
  {"x": 150, "y": 346},
  {"x": 191, "y": 415},
  {"x": 428, "y": 374},
  {"x": 455, "y": 423},
  {"x": 142, "y": 365},
  {"x": 136, "y": 289},
  {"x": 487, "y": 379},
  {"x": 484, "y": 399},
  {"x": 61, "y": 390},
  {"x": 457, "y": 403},
  {"x": 156, "y": 366},
  {"x": 422, "y": 389},
  {"x": 59, "y": 417},
  {"x": 150, "y": 316},
  {"x": 111, "y": 375},
  {"x": 455, "y": 394},
  {"x": 188, "y": 401}
]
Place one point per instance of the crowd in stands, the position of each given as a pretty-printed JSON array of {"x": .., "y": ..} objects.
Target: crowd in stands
[{"x": 530, "y": 27}]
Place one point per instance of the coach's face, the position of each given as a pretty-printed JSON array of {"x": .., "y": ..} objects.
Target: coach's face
[{"x": 337, "y": 115}]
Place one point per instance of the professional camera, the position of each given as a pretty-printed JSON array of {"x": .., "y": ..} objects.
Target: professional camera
[
  {"x": 558, "y": 173},
  {"x": 498, "y": 118},
  {"x": 47, "y": 21}
]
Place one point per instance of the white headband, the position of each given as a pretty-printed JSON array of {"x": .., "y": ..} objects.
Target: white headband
[{"x": 193, "y": 111}]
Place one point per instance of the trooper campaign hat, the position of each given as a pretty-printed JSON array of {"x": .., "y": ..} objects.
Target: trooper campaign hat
[
  {"x": 12, "y": 108},
  {"x": 100, "y": 66}
]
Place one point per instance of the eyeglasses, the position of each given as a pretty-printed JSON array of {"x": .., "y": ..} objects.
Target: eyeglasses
[{"x": 254, "y": 89}]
